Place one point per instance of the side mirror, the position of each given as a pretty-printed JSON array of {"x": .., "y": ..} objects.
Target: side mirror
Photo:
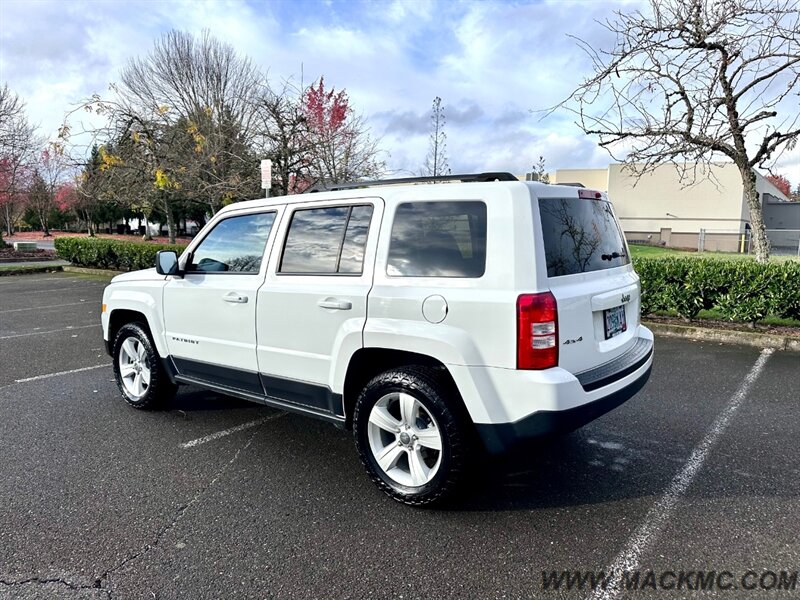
[{"x": 167, "y": 262}]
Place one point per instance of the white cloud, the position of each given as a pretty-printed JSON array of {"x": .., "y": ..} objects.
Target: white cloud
[{"x": 492, "y": 63}]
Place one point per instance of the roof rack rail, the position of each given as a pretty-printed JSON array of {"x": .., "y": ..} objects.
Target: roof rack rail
[{"x": 466, "y": 178}]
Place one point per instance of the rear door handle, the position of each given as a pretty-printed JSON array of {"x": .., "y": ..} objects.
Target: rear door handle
[
  {"x": 235, "y": 298},
  {"x": 335, "y": 304}
]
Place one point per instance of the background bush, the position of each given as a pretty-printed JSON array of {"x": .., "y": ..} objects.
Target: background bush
[
  {"x": 741, "y": 290},
  {"x": 111, "y": 254}
]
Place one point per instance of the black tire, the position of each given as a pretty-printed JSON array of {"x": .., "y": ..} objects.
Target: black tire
[
  {"x": 440, "y": 400},
  {"x": 160, "y": 390}
]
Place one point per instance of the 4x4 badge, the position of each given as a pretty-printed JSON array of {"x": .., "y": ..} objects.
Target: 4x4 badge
[
  {"x": 626, "y": 298},
  {"x": 580, "y": 339}
]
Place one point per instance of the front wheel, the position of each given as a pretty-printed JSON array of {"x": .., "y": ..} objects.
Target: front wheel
[
  {"x": 411, "y": 436},
  {"x": 138, "y": 371}
]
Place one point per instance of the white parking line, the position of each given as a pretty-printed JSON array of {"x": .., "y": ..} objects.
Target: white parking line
[
  {"x": 60, "y": 373},
  {"x": 225, "y": 432},
  {"x": 43, "y": 307},
  {"x": 656, "y": 518},
  {"x": 18, "y": 335}
]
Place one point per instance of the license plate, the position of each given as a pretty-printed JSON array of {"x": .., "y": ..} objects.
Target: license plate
[{"x": 614, "y": 321}]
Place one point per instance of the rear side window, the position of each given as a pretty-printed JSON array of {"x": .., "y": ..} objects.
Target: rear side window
[
  {"x": 438, "y": 239},
  {"x": 326, "y": 241},
  {"x": 580, "y": 236},
  {"x": 235, "y": 245}
]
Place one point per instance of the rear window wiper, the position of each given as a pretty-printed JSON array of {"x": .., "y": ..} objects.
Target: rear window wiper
[{"x": 613, "y": 255}]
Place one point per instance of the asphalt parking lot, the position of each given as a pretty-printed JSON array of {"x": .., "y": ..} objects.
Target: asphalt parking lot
[{"x": 699, "y": 472}]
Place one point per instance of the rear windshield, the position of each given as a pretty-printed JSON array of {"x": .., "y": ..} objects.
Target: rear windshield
[{"x": 580, "y": 236}]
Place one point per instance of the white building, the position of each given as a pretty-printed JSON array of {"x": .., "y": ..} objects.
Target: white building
[{"x": 661, "y": 208}]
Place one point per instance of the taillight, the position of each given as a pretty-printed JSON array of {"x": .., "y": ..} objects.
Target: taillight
[{"x": 537, "y": 331}]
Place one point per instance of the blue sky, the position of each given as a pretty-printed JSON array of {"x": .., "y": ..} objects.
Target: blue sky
[{"x": 492, "y": 63}]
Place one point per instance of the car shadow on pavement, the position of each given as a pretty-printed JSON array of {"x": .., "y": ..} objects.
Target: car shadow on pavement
[
  {"x": 593, "y": 465},
  {"x": 569, "y": 470},
  {"x": 600, "y": 463},
  {"x": 588, "y": 466}
]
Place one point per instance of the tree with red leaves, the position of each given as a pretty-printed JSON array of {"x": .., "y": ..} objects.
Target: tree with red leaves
[
  {"x": 780, "y": 182},
  {"x": 325, "y": 110},
  {"x": 66, "y": 196},
  {"x": 340, "y": 147}
]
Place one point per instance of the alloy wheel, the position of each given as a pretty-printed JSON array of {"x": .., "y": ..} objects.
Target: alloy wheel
[
  {"x": 405, "y": 439},
  {"x": 133, "y": 367}
]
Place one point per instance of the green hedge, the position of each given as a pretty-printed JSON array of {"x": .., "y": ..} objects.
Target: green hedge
[
  {"x": 110, "y": 254},
  {"x": 744, "y": 291}
]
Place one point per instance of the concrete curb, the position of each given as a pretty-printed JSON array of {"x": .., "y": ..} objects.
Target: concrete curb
[
  {"x": 88, "y": 271},
  {"x": 11, "y": 261},
  {"x": 725, "y": 336},
  {"x": 8, "y": 270}
]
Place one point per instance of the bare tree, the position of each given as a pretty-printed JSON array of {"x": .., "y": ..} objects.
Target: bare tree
[
  {"x": 436, "y": 160},
  {"x": 181, "y": 122},
  {"x": 188, "y": 74},
  {"x": 18, "y": 144},
  {"x": 12, "y": 109},
  {"x": 15, "y": 177},
  {"x": 539, "y": 171},
  {"x": 694, "y": 80},
  {"x": 51, "y": 170},
  {"x": 206, "y": 88},
  {"x": 283, "y": 136}
]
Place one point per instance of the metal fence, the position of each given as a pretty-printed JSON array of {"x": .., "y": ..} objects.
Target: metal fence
[{"x": 783, "y": 242}]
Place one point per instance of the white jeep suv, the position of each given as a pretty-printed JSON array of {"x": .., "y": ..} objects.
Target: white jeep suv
[{"x": 431, "y": 317}]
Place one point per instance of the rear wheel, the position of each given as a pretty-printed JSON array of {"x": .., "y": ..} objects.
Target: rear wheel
[
  {"x": 138, "y": 371},
  {"x": 410, "y": 436}
]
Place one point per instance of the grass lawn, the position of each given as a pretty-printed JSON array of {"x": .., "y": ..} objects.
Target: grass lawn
[{"x": 641, "y": 251}]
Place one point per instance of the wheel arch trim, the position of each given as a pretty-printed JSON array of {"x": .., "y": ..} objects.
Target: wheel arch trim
[
  {"x": 366, "y": 363},
  {"x": 128, "y": 303}
]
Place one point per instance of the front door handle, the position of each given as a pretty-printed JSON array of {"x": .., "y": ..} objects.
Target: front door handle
[
  {"x": 335, "y": 304},
  {"x": 235, "y": 298}
]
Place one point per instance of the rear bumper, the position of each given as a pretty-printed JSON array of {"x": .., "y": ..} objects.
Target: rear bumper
[
  {"x": 501, "y": 437},
  {"x": 509, "y": 405}
]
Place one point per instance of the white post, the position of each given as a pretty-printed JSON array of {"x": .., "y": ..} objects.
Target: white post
[{"x": 266, "y": 175}]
